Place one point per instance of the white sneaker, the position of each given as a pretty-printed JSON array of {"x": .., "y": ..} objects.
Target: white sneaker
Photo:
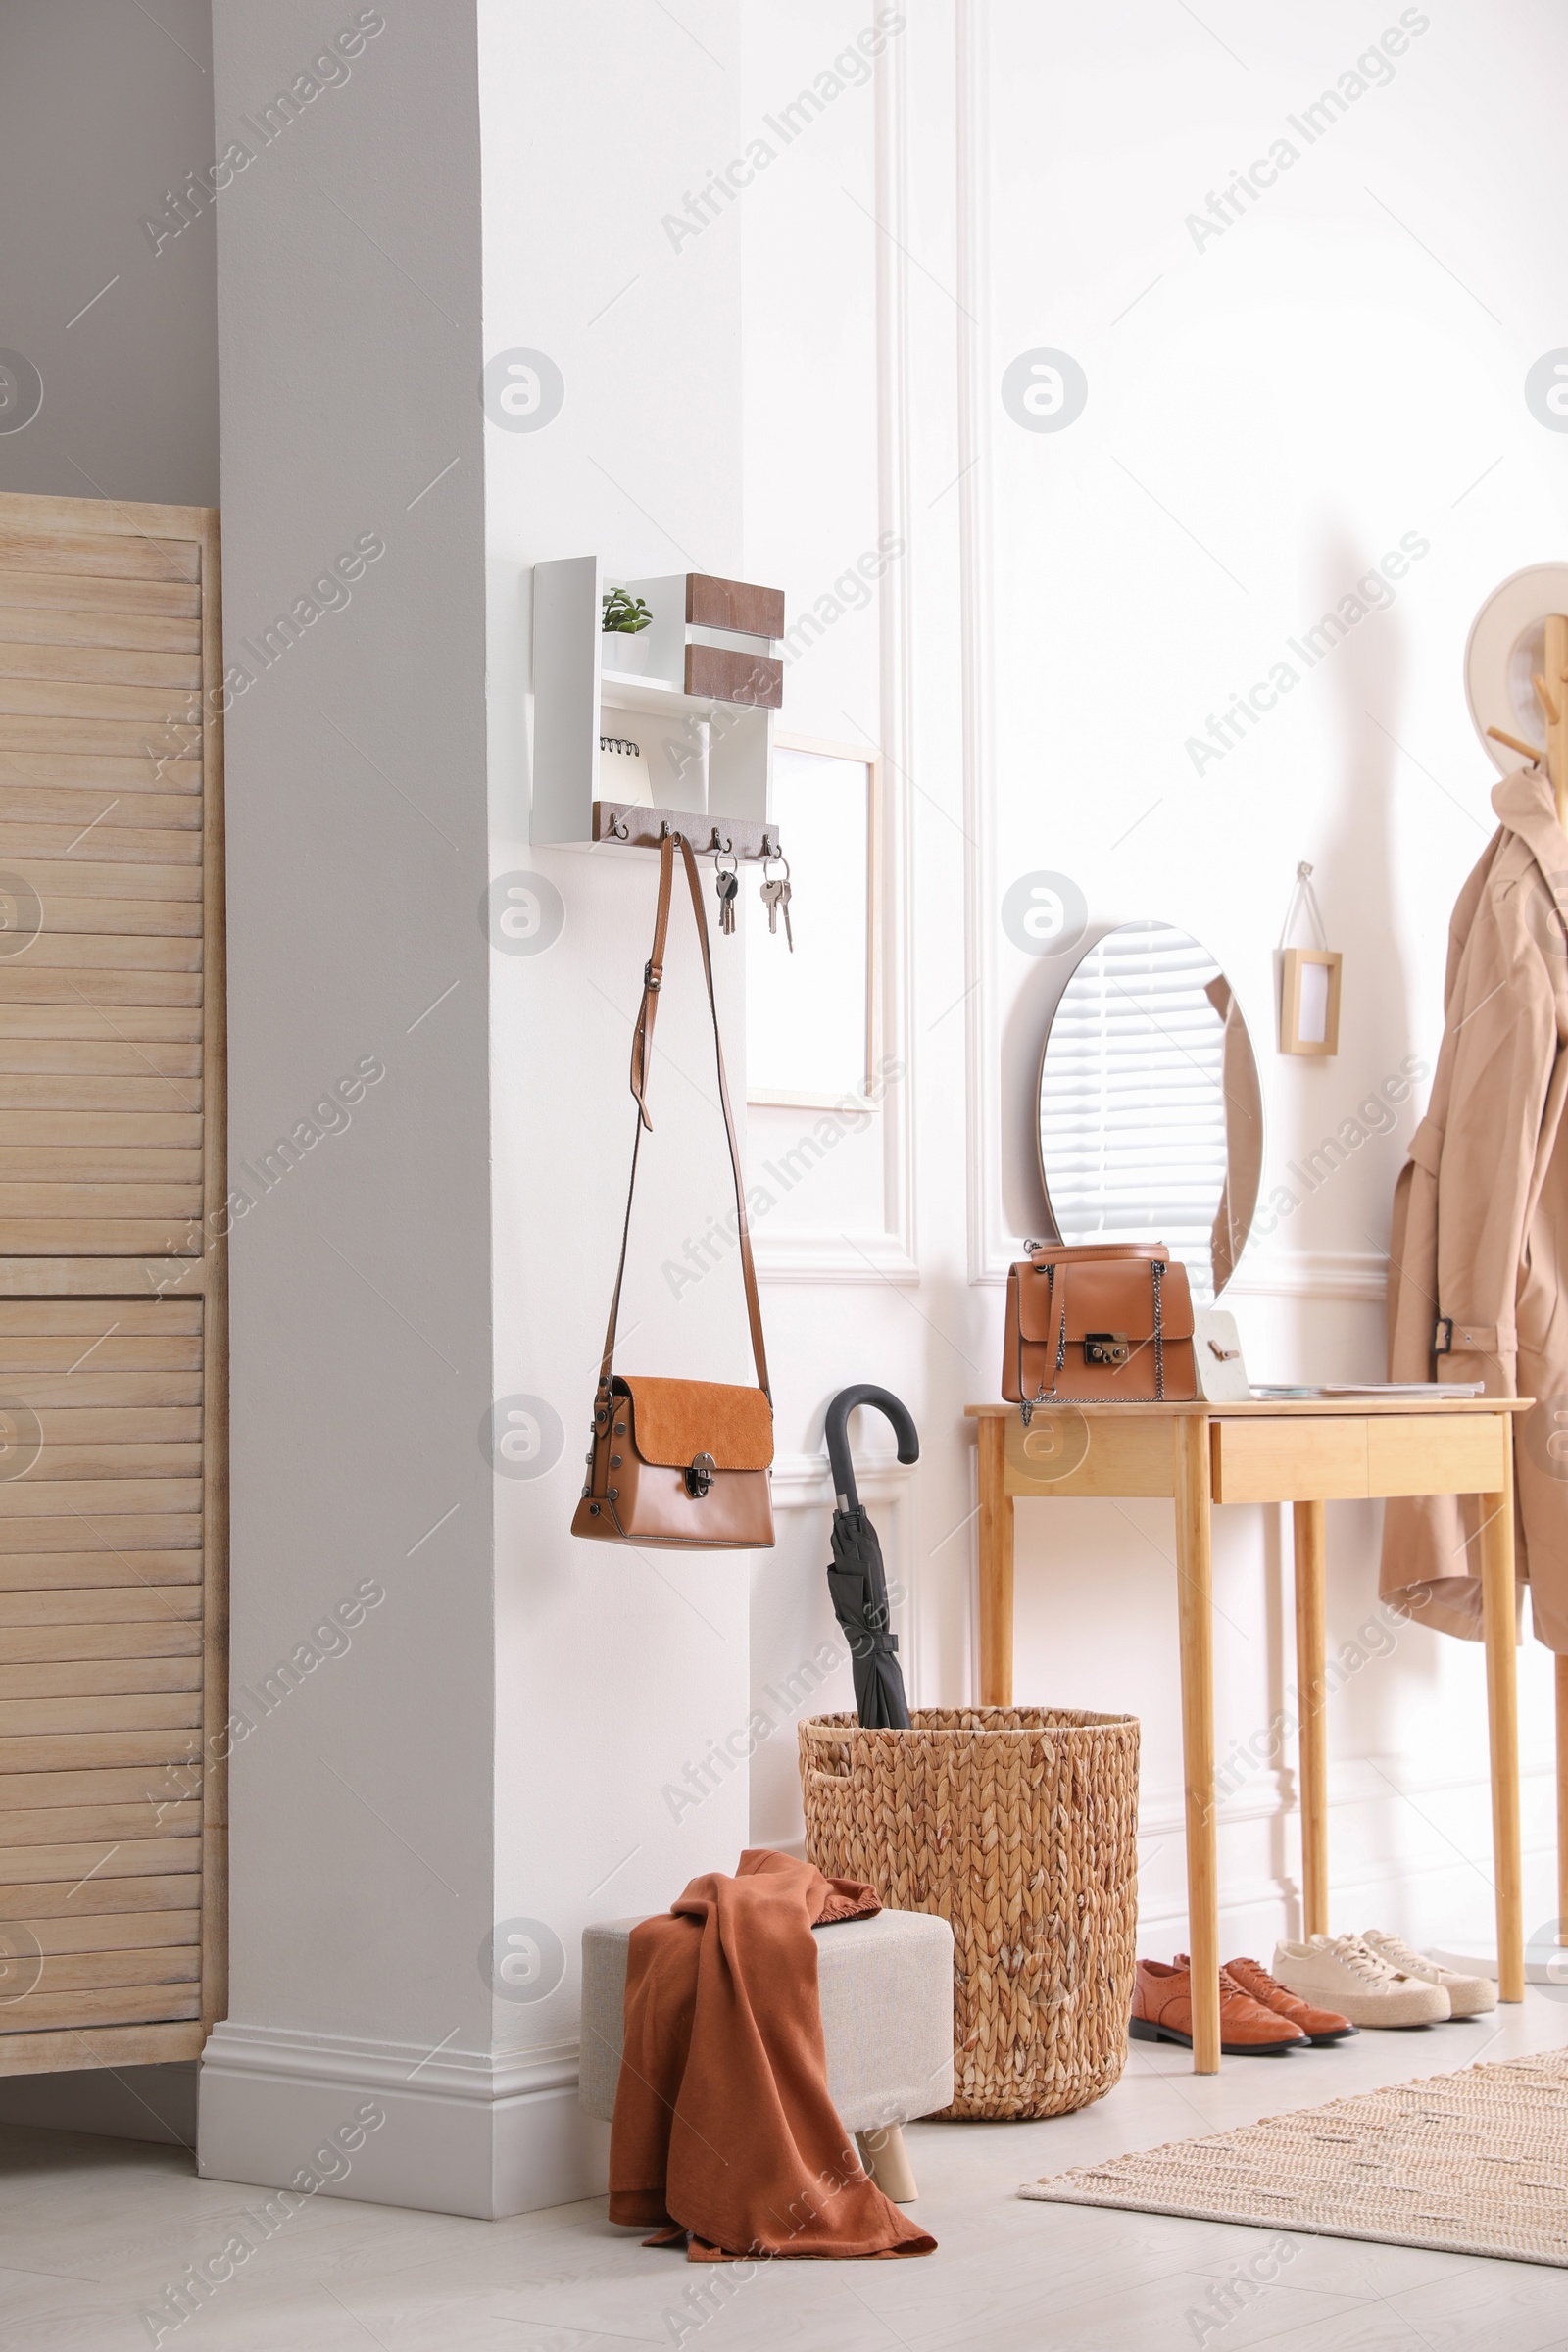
[
  {"x": 1468, "y": 1996},
  {"x": 1344, "y": 1973}
]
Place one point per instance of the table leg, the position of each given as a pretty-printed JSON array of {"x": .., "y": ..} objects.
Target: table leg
[
  {"x": 995, "y": 1566},
  {"x": 1195, "y": 1580},
  {"x": 1502, "y": 1726},
  {"x": 1312, "y": 1692}
]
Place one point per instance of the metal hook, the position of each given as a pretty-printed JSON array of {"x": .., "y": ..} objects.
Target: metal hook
[{"x": 619, "y": 830}]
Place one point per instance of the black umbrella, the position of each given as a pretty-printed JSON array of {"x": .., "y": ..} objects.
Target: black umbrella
[{"x": 856, "y": 1579}]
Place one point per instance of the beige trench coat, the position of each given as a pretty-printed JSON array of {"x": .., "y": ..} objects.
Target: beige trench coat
[{"x": 1481, "y": 1219}]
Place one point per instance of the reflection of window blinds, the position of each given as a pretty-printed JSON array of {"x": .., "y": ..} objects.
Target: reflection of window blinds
[{"x": 1132, "y": 1102}]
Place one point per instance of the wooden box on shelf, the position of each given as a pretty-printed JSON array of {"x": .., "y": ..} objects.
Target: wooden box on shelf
[{"x": 693, "y": 721}]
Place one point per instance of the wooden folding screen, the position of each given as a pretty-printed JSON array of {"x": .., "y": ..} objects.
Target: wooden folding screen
[{"x": 112, "y": 1399}]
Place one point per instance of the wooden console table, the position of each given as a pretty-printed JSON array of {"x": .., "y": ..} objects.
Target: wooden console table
[{"x": 1302, "y": 1452}]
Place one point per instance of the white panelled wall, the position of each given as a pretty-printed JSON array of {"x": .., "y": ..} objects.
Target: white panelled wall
[
  {"x": 1279, "y": 398},
  {"x": 781, "y": 262}
]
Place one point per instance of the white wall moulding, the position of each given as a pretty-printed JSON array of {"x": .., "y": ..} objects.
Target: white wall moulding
[
  {"x": 814, "y": 1016},
  {"x": 1351, "y": 1274},
  {"x": 464, "y": 2131},
  {"x": 829, "y": 1257},
  {"x": 804, "y": 1481},
  {"x": 854, "y": 1252},
  {"x": 690, "y": 714},
  {"x": 989, "y": 1250}
]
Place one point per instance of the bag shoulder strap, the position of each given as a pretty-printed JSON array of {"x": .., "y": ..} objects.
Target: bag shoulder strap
[{"x": 641, "y": 1056}]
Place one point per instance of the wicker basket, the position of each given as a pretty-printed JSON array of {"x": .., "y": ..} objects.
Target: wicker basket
[{"x": 1019, "y": 1825}]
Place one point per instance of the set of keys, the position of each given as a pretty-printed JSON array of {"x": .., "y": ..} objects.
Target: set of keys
[{"x": 775, "y": 897}]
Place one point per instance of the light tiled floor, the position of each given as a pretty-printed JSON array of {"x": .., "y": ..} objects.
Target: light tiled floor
[{"x": 91, "y": 2232}]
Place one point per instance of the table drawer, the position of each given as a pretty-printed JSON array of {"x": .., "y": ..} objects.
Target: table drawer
[
  {"x": 1294, "y": 1459},
  {"x": 1457, "y": 1454},
  {"x": 1063, "y": 1452},
  {"x": 1289, "y": 1461}
]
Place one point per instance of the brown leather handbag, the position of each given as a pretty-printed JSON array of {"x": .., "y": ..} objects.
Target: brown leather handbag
[
  {"x": 679, "y": 1464},
  {"x": 1107, "y": 1322}
]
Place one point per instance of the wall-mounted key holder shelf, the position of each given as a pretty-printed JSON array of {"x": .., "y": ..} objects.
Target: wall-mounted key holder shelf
[
  {"x": 638, "y": 828},
  {"x": 690, "y": 728}
]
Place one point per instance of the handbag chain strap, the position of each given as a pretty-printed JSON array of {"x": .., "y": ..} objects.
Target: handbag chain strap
[
  {"x": 1156, "y": 1267},
  {"x": 1058, "y": 1302},
  {"x": 641, "y": 1052}
]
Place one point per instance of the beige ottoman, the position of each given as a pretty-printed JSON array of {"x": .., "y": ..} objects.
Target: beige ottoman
[{"x": 885, "y": 1988}]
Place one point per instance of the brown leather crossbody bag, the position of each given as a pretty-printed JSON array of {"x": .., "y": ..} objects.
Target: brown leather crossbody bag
[
  {"x": 1104, "y": 1323},
  {"x": 680, "y": 1464}
]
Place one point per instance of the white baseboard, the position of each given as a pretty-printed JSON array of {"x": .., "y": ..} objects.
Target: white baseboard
[
  {"x": 464, "y": 2133},
  {"x": 1157, "y": 1921},
  {"x": 1480, "y": 1960}
]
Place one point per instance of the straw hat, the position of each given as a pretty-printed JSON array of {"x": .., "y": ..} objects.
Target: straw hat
[{"x": 1504, "y": 652}]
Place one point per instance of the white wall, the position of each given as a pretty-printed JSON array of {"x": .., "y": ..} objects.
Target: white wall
[
  {"x": 1270, "y": 410},
  {"x": 816, "y": 372},
  {"x": 1277, "y": 393},
  {"x": 614, "y": 1668}
]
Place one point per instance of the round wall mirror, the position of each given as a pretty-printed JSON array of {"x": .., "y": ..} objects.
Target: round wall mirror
[{"x": 1150, "y": 1111}]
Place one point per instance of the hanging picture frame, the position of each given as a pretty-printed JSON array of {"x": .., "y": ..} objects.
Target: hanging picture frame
[
  {"x": 1309, "y": 981},
  {"x": 1309, "y": 1001}
]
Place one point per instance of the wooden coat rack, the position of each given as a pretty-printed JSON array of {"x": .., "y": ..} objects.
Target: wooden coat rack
[{"x": 1552, "y": 692}]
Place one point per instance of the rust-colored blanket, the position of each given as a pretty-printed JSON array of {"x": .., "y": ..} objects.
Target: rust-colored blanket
[{"x": 723, "y": 2125}]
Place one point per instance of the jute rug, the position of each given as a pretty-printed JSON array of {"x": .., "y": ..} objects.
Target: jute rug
[{"x": 1472, "y": 2163}]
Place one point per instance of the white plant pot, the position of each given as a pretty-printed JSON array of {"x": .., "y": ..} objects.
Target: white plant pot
[{"x": 623, "y": 650}]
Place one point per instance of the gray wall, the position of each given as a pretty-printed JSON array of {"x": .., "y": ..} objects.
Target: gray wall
[
  {"x": 103, "y": 111},
  {"x": 350, "y": 348}
]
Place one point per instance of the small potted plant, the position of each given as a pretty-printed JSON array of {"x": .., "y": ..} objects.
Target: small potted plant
[{"x": 625, "y": 616}]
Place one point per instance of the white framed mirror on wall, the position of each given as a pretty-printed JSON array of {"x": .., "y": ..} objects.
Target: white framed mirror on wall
[
  {"x": 813, "y": 987},
  {"x": 1150, "y": 1114}
]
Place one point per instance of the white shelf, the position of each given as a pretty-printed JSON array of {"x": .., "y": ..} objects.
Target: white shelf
[
  {"x": 712, "y": 759},
  {"x": 633, "y": 689}
]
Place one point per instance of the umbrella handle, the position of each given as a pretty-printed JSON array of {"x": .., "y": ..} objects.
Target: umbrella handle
[{"x": 838, "y": 1435}]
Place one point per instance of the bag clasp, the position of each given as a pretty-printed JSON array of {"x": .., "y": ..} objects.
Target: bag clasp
[{"x": 700, "y": 1476}]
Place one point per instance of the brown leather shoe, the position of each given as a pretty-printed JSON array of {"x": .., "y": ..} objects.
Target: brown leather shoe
[
  {"x": 1320, "y": 2026},
  {"x": 1162, "y": 2011}
]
